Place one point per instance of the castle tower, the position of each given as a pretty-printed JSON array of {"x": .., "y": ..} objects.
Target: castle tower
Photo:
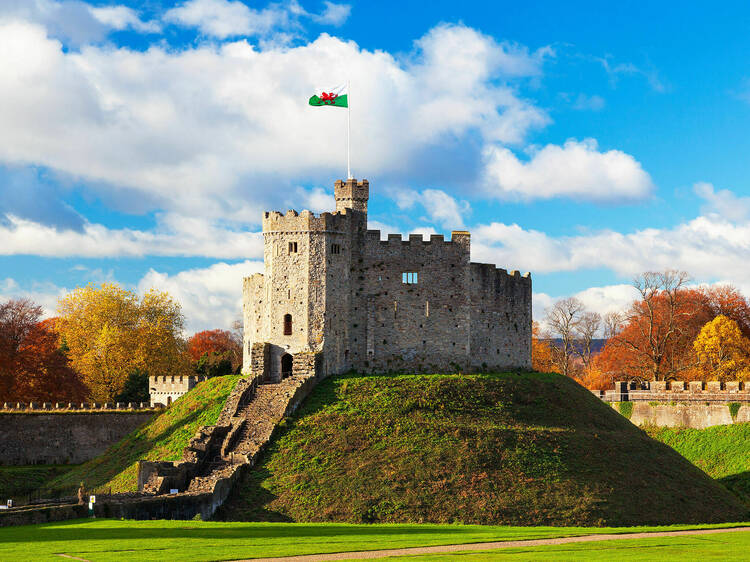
[{"x": 351, "y": 194}]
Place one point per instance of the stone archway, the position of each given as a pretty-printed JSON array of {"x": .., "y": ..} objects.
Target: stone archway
[{"x": 287, "y": 364}]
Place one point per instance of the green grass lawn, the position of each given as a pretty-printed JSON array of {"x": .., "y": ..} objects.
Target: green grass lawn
[
  {"x": 725, "y": 547},
  {"x": 104, "y": 539},
  {"x": 163, "y": 438},
  {"x": 722, "y": 451}
]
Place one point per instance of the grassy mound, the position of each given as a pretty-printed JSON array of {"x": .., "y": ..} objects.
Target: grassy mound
[
  {"x": 16, "y": 481},
  {"x": 529, "y": 449},
  {"x": 162, "y": 438},
  {"x": 722, "y": 451}
]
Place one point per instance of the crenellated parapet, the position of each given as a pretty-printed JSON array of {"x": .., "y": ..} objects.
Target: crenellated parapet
[
  {"x": 63, "y": 407},
  {"x": 166, "y": 389},
  {"x": 457, "y": 237},
  {"x": 306, "y": 221}
]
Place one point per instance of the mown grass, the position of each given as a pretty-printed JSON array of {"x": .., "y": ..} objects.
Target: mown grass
[
  {"x": 110, "y": 540},
  {"x": 530, "y": 449},
  {"x": 162, "y": 438},
  {"x": 725, "y": 547},
  {"x": 18, "y": 481},
  {"x": 722, "y": 451}
]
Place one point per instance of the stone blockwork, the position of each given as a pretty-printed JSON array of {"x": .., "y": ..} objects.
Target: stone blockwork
[
  {"x": 63, "y": 437},
  {"x": 334, "y": 288},
  {"x": 695, "y": 415}
]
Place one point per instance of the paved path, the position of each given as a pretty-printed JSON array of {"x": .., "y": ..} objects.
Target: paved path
[{"x": 488, "y": 546}]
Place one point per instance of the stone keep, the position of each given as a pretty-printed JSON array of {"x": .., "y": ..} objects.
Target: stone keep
[{"x": 335, "y": 297}]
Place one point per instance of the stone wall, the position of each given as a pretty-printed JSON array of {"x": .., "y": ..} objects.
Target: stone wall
[
  {"x": 63, "y": 438},
  {"x": 696, "y": 416},
  {"x": 166, "y": 389}
]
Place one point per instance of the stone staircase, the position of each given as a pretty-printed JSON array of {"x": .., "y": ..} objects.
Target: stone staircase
[{"x": 217, "y": 454}]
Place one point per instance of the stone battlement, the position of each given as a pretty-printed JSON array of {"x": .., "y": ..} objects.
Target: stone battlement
[
  {"x": 456, "y": 236},
  {"x": 488, "y": 271},
  {"x": 677, "y": 391},
  {"x": 305, "y": 221},
  {"x": 166, "y": 389}
]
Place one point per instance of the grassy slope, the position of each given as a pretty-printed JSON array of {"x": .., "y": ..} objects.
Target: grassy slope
[
  {"x": 110, "y": 540},
  {"x": 18, "y": 481},
  {"x": 529, "y": 449},
  {"x": 163, "y": 438},
  {"x": 723, "y": 451}
]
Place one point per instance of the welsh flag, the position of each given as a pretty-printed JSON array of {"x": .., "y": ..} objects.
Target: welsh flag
[{"x": 337, "y": 97}]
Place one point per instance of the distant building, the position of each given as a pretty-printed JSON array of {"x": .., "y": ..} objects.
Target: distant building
[{"x": 166, "y": 389}]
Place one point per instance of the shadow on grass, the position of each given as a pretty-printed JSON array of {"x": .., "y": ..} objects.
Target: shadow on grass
[
  {"x": 739, "y": 485},
  {"x": 73, "y": 531}
]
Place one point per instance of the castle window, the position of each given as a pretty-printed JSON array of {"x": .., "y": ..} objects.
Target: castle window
[
  {"x": 292, "y": 247},
  {"x": 335, "y": 249},
  {"x": 410, "y": 278},
  {"x": 427, "y": 308},
  {"x": 287, "y": 324}
]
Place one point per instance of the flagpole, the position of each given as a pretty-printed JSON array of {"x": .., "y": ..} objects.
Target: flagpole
[{"x": 348, "y": 131}]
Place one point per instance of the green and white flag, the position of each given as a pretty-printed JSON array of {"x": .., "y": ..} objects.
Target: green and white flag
[{"x": 336, "y": 97}]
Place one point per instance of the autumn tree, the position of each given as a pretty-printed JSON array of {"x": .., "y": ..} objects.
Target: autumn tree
[
  {"x": 562, "y": 318},
  {"x": 586, "y": 330},
  {"x": 723, "y": 352},
  {"x": 655, "y": 331},
  {"x": 111, "y": 333},
  {"x": 33, "y": 367},
  {"x": 541, "y": 351}
]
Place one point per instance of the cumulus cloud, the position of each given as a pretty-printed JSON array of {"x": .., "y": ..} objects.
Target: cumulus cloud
[
  {"x": 440, "y": 207},
  {"x": 122, "y": 17},
  {"x": 723, "y": 202},
  {"x": 210, "y": 297},
  {"x": 231, "y": 18},
  {"x": 44, "y": 294},
  {"x": 173, "y": 236},
  {"x": 709, "y": 247},
  {"x": 576, "y": 169},
  {"x": 208, "y": 129}
]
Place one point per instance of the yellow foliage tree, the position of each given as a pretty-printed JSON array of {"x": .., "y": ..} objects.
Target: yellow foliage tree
[
  {"x": 110, "y": 332},
  {"x": 722, "y": 351}
]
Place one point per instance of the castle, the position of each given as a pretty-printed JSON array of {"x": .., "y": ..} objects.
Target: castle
[{"x": 335, "y": 297}]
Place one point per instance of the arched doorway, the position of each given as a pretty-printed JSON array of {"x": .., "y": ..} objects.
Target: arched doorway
[{"x": 286, "y": 365}]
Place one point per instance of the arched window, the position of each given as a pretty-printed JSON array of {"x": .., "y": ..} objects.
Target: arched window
[{"x": 287, "y": 324}]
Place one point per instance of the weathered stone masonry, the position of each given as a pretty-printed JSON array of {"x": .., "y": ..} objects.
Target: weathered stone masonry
[{"x": 333, "y": 288}]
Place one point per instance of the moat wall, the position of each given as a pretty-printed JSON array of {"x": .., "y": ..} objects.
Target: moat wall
[{"x": 63, "y": 438}]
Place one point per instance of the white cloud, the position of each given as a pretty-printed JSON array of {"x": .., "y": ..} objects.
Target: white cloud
[
  {"x": 723, "y": 202},
  {"x": 440, "y": 207},
  {"x": 231, "y": 18},
  {"x": 173, "y": 236},
  {"x": 708, "y": 247},
  {"x": 333, "y": 14},
  {"x": 41, "y": 293},
  {"x": 576, "y": 169},
  {"x": 210, "y": 297},
  {"x": 122, "y": 17},
  {"x": 208, "y": 130}
]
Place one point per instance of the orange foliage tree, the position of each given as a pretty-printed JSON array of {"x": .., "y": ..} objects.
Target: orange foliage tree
[
  {"x": 542, "y": 358},
  {"x": 33, "y": 367},
  {"x": 212, "y": 345},
  {"x": 654, "y": 340}
]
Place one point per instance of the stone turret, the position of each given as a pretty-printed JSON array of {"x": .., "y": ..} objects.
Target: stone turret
[{"x": 351, "y": 194}]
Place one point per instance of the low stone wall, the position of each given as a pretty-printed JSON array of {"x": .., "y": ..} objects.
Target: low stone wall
[
  {"x": 63, "y": 437},
  {"x": 45, "y": 514},
  {"x": 696, "y": 416}
]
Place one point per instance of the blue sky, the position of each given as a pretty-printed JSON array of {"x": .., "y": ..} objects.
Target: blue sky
[{"x": 141, "y": 141}]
